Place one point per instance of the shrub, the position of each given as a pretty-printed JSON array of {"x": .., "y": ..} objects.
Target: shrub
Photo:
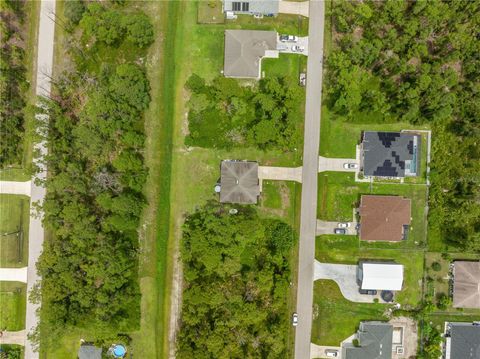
[
  {"x": 355, "y": 343},
  {"x": 436, "y": 266}
]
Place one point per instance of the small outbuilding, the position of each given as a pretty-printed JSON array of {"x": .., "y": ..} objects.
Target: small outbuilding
[
  {"x": 239, "y": 182},
  {"x": 89, "y": 351},
  {"x": 244, "y": 51},
  {"x": 380, "y": 276},
  {"x": 390, "y": 154},
  {"x": 384, "y": 218},
  {"x": 466, "y": 284}
]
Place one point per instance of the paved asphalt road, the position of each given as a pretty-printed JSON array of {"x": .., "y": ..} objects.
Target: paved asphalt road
[
  {"x": 36, "y": 233},
  {"x": 308, "y": 218}
]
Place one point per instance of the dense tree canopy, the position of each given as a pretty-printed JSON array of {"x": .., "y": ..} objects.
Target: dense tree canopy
[
  {"x": 95, "y": 186},
  {"x": 418, "y": 62},
  {"x": 237, "y": 274},
  {"x": 111, "y": 26},
  {"x": 13, "y": 82},
  {"x": 225, "y": 114}
]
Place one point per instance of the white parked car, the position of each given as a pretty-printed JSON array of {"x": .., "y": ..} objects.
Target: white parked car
[
  {"x": 298, "y": 48},
  {"x": 350, "y": 166},
  {"x": 343, "y": 225},
  {"x": 288, "y": 38},
  {"x": 330, "y": 353},
  {"x": 295, "y": 319}
]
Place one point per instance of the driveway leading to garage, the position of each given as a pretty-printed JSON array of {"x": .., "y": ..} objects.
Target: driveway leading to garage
[
  {"x": 326, "y": 227},
  {"x": 318, "y": 351},
  {"x": 346, "y": 278},
  {"x": 21, "y": 188},
  {"x": 17, "y": 338},
  {"x": 294, "y": 7},
  {"x": 280, "y": 173},
  {"x": 14, "y": 274},
  {"x": 336, "y": 164}
]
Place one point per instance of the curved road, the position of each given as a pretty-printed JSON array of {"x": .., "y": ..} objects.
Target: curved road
[{"x": 308, "y": 217}]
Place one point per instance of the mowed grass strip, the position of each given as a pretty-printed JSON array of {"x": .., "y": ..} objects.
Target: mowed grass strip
[
  {"x": 14, "y": 221},
  {"x": 13, "y": 305},
  {"x": 334, "y": 317}
]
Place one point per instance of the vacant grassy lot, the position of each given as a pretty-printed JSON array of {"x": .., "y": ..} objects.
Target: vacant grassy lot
[
  {"x": 345, "y": 249},
  {"x": 210, "y": 12},
  {"x": 334, "y": 317},
  {"x": 339, "y": 194},
  {"x": 13, "y": 305},
  {"x": 14, "y": 220}
]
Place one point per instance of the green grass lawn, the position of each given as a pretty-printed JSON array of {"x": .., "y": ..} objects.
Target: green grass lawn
[
  {"x": 210, "y": 12},
  {"x": 13, "y": 305},
  {"x": 339, "y": 194},
  {"x": 14, "y": 221},
  {"x": 440, "y": 283},
  {"x": 345, "y": 249},
  {"x": 334, "y": 317}
]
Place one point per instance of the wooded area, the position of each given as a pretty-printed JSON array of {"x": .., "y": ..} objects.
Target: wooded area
[
  {"x": 236, "y": 284},
  {"x": 13, "y": 82},
  {"x": 225, "y": 114},
  {"x": 418, "y": 62},
  {"x": 94, "y": 199}
]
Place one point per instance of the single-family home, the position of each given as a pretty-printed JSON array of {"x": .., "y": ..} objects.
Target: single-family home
[
  {"x": 384, "y": 218},
  {"x": 239, "y": 182},
  {"x": 466, "y": 284},
  {"x": 462, "y": 340},
  {"x": 380, "y": 276},
  {"x": 390, "y": 154}
]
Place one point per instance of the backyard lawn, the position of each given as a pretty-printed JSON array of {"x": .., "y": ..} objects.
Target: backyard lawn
[
  {"x": 14, "y": 220},
  {"x": 339, "y": 194},
  {"x": 13, "y": 305},
  {"x": 438, "y": 285},
  {"x": 334, "y": 317},
  {"x": 345, "y": 249}
]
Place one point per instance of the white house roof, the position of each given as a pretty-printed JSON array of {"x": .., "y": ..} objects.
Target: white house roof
[{"x": 379, "y": 276}]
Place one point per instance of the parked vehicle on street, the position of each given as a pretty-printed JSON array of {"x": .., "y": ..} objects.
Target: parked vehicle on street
[
  {"x": 295, "y": 319},
  {"x": 288, "y": 38},
  {"x": 343, "y": 225},
  {"x": 298, "y": 48},
  {"x": 350, "y": 166},
  {"x": 340, "y": 231}
]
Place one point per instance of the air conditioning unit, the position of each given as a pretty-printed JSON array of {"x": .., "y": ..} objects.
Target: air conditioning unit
[{"x": 400, "y": 350}]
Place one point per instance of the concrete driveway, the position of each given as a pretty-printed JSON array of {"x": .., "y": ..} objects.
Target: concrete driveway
[
  {"x": 287, "y": 47},
  {"x": 326, "y": 227},
  {"x": 346, "y": 278},
  {"x": 318, "y": 351},
  {"x": 336, "y": 164},
  {"x": 17, "y": 338},
  {"x": 10, "y": 187},
  {"x": 294, "y": 7},
  {"x": 14, "y": 274},
  {"x": 280, "y": 173}
]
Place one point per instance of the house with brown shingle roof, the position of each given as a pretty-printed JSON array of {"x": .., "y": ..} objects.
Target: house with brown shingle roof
[
  {"x": 466, "y": 284},
  {"x": 384, "y": 218}
]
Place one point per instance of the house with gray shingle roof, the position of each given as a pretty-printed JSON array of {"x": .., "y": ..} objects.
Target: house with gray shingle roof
[
  {"x": 244, "y": 51},
  {"x": 252, "y": 7},
  {"x": 462, "y": 340},
  {"x": 390, "y": 154},
  {"x": 375, "y": 342},
  {"x": 239, "y": 182},
  {"x": 89, "y": 351}
]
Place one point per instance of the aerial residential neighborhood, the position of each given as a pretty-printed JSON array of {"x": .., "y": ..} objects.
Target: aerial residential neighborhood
[{"x": 240, "y": 179}]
